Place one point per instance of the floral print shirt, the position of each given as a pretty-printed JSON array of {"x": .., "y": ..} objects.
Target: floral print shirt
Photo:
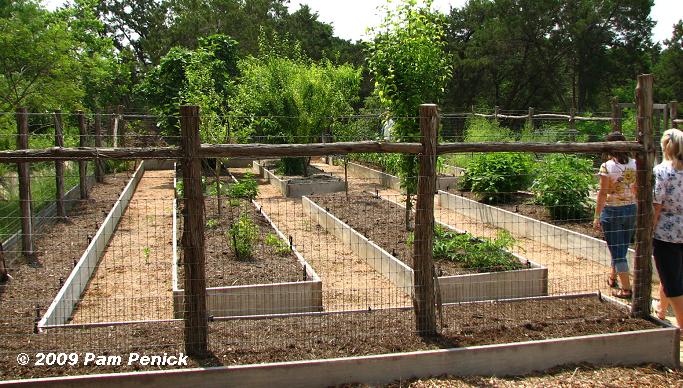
[
  {"x": 622, "y": 177},
  {"x": 669, "y": 193}
]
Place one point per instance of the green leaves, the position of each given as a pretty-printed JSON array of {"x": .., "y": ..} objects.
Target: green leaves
[
  {"x": 563, "y": 185},
  {"x": 495, "y": 176}
]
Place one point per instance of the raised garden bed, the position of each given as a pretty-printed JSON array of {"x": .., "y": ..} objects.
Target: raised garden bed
[
  {"x": 62, "y": 307},
  {"x": 318, "y": 182},
  {"x": 373, "y": 228},
  {"x": 522, "y": 336},
  {"x": 555, "y": 236},
  {"x": 273, "y": 279},
  {"x": 443, "y": 182}
]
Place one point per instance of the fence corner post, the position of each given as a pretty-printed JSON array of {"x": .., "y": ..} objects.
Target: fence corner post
[
  {"x": 24, "y": 170},
  {"x": 642, "y": 268},
  {"x": 616, "y": 115},
  {"x": 425, "y": 299},
  {"x": 195, "y": 313}
]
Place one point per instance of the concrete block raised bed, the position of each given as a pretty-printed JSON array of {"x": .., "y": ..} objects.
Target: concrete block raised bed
[
  {"x": 61, "y": 309},
  {"x": 532, "y": 281},
  {"x": 659, "y": 346},
  {"x": 294, "y": 188},
  {"x": 257, "y": 299}
]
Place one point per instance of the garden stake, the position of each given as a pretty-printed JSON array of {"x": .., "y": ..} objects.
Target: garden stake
[
  {"x": 61, "y": 282},
  {"x": 36, "y": 320},
  {"x": 291, "y": 243},
  {"x": 305, "y": 277}
]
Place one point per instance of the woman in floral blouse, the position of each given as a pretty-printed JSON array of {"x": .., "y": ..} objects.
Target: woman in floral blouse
[
  {"x": 668, "y": 230},
  {"x": 615, "y": 213}
]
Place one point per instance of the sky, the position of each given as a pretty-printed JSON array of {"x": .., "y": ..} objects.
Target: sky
[{"x": 350, "y": 18}]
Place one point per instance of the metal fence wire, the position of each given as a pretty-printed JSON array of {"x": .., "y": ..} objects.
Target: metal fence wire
[{"x": 310, "y": 255}]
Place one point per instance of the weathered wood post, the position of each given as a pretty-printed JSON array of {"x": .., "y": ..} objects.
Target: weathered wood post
[
  {"x": 113, "y": 129},
  {"x": 4, "y": 274},
  {"x": 674, "y": 114},
  {"x": 572, "y": 124},
  {"x": 24, "y": 170},
  {"x": 616, "y": 115},
  {"x": 496, "y": 112},
  {"x": 121, "y": 125},
  {"x": 59, "y": 166},
  {"x": 99, "y": 167},
  {"x": 642, "y": 271},
  {"x": 425, "y": 299},
  {"x": 82, "y": 165},
  {"x": 195, "y": 316},
  {"x": 530, "y": 120}
]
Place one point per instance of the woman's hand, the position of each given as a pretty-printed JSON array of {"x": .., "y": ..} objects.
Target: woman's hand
[{"x": 596, "y": 224}]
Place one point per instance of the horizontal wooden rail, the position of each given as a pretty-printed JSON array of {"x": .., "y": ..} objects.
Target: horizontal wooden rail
[
  {"x": 314, "y": 149},
  {"x": 543, "y": 148}
]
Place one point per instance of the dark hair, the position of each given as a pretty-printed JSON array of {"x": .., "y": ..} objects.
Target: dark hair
[{"x": 622, "y": 157}]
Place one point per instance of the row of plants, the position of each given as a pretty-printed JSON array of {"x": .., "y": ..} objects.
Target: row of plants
[{"x": 474, "y": 253}]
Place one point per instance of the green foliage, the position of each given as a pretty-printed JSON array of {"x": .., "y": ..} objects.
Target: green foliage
[
  {"x": 291, "y": 166},
  {"x": 246, "y": 188},
  {"x": 243, "y": 234},
  {"x": 494, "y": 176},
  {"x": 212, "y": 223},
  {"x": 563, "y": 184},
  {"x": 408, "y": 60},
  {"x": 482, "y": 255},
  {"x": 480, "y": 129},
  {"x": 281, "y": 247},
  {"x": 389, "y": 163},
  {"x": 291, "y": 100}
]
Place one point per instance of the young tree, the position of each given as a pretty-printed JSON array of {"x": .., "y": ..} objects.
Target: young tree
[{"x": 411, "y": 67}]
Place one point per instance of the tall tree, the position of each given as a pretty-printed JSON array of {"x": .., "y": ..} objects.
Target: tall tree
[{"x": 669, "y": 69}]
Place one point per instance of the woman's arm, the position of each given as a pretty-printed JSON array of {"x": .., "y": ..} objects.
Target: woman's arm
[
  {"x": 658, "y": 211},
  {"x": 600, "y": 202}
]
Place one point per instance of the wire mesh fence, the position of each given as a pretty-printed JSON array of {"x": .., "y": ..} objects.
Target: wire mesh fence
[{"x": 309, "y": 257}]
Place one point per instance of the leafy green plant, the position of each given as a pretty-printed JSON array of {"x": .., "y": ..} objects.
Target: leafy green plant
[
  {"x": 495, "y": 176},
  {"x": 211, "y": 223},
  {"x": 246, "y": 187},
  {"x": 563, "y": 184},
  {"x": 243, "y": 234},
  {"x": 146, "y": 251},
  {"x": 482, "y": 255},
  {"x": 276, "y": 242}
]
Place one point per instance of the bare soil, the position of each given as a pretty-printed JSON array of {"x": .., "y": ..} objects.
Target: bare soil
[
  {"x": 266, "y": 265},
  {"x": 302, "y": 338}
]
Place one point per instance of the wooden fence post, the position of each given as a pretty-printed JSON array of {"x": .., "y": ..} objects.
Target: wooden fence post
[
  {"x": 113, "y": 129},
  {"x": 530, "y": 120},
  {"x": 674, "y": 114},
  {"x": 59, "y": 166},
  {"x": 82, "y": 165},
  {"x": 25, "y": 187},
  {"x": 121, "y": 125},
  {"x": 99, "y": 168},
  {"x": 616, "y": 115},
  {"x": 496, "y": 112},
  {"x": 4, "y": 274},
  {"x": 572, "y": 124},
  {"x": 425, "y": 299},
  {"x": 642, "y": 271},
  {"x": 195, "y": 317}
]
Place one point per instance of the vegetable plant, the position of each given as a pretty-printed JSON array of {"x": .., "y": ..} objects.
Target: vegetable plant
[
  {"x": 243, "y": 234},
  {"x": 494, "y": 176},
  {"x": 563, "y": 184},
  {"x": 281, "y": 247}
]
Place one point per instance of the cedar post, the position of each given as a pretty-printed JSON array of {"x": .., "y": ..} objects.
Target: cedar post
[
  {"x": 642, "y": 272},
  {"x": 496, "y": 111},
  {"x": 99, "y": 168},
  {"x": 113, "y": 129},
  {"x": 59, "y": 166},
  {"x": 83, "y": 165},
  {"x": 616, "y": 115},
  {"x": 674, "y": 114},
  {"x": 25, "y": 187},
  {"x": 425, "y": 312},
  {"x": 530, "y": 120},
  {"x": 195, "y": 318},
  {"x": 572, "y": 123},
  {"x": 4, "y": 275},
  {"x": 121, "y": 125}
]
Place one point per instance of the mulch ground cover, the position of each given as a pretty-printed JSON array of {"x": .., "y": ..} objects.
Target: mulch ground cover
[
  {"x": 267, "y": 264},
  {"x": 302, "y": 338}
]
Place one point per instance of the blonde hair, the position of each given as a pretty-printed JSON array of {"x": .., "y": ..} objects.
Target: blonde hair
[{"x": 672, "y": 147}]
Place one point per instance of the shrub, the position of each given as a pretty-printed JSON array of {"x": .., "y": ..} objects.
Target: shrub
[
  {"x": 243, "y": 235},
  {"x": 494, "y": 176},
  {"x": 480, "y": 129},
  {"x": 563, "y": 185}
]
